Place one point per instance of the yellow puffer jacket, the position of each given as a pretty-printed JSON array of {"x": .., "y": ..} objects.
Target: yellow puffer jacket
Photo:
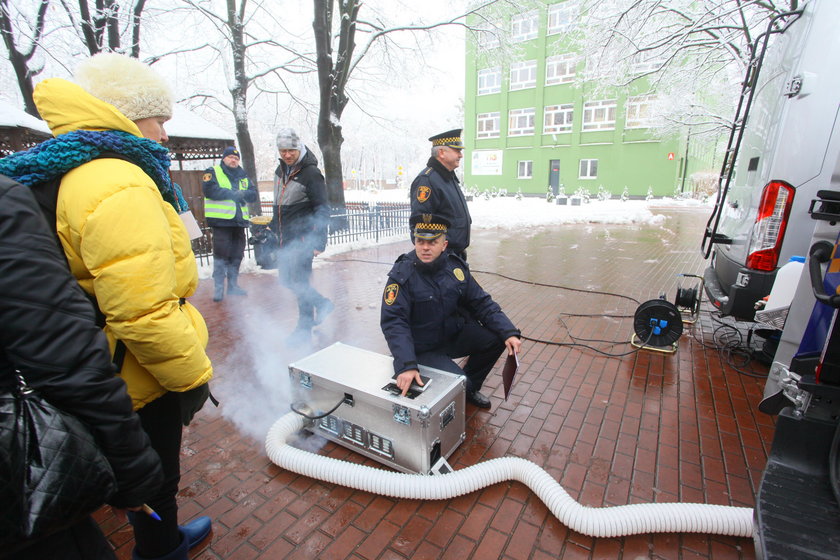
[{"x": 128, "y": 248}]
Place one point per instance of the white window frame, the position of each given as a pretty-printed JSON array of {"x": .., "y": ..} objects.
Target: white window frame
[
  {"x": 521, "y": 122},
  {"x": 560, "y": 69},
  {"x": 487, "y": 40},
  {"x": 525, "y": 26},
  {"x": 525, "y": 169},
  {"x": 488, "y": 125},
  {"x": 599, "y": 115},
  {"x": 588, "y": 169},
  {"x": 646, "y": 62},
  {"x": 639, "y": 111},
  {"x": 523, "y": 75},
  {"x": 562, "y": 17},
  {"x": 558, "y": 118},
  {"x": 489, "y": 80}
]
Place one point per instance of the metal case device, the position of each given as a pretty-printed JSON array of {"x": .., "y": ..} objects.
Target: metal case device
[{"x": 411, "y": 434}]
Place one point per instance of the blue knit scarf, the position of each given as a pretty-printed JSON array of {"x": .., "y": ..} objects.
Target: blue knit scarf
[{"x": 56, "y": 156}]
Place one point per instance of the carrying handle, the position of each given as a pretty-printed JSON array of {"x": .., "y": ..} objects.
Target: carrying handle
[{"x": 820, "y": 253}]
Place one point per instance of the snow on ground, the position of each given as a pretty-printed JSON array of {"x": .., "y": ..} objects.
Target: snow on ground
[{"x": 512, "y": 214}]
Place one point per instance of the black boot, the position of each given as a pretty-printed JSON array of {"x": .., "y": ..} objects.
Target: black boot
[{"x": 180, "y": 553}]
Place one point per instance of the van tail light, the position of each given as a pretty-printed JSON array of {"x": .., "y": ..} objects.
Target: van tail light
[{"x": 769, "y": 229}]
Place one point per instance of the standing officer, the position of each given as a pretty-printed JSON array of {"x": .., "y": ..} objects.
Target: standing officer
[
  {"x": 436, "y": 190},
  {"x": 433, "y": 310},
  {"x": 227, "y": 192}
]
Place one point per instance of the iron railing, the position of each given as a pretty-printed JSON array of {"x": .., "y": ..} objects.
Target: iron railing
[{"x": 356, "y": 221}]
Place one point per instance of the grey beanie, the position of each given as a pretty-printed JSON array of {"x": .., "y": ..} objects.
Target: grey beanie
[{"x": 287, "y": 139}]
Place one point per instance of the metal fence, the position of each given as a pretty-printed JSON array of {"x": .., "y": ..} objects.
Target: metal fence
[{"x": 356, "y": 221}]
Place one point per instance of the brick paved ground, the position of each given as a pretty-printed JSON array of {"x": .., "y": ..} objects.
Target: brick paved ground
[{"x": 645, "y": 427}]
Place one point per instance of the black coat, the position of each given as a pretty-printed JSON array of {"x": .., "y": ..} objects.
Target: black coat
[
  {"x": 49, "y": 334},
  {"x": 301, "y": 206},
  {"x": 436, "y": 191},
  {"x": 423, "y": 303}
]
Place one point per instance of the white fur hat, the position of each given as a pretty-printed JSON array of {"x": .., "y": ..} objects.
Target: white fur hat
[
  {"x": 287, "y": 139},
  {"x": 136, "y": 90}
]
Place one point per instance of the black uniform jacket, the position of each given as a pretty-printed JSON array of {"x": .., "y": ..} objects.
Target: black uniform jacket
[
  {"x": 212, "y": 190},
  {"x": 436, "y": 191},
  {"x": 301, "y": 206},
  {"x": 49, "y": 335},
  {"x": 423, "y": 306}
]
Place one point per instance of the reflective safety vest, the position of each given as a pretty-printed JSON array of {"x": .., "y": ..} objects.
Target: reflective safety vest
[{"x": 225, "y": 209}]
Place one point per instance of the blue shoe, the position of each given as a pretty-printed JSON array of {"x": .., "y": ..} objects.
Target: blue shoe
[{"x": 196, "y": 530}]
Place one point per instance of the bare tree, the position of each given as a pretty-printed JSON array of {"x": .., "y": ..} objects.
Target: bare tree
[
  {"x": 102, "y": 28},
  {"x": 338, "y": 57},
  {"x": 246, "y": 32},
  {"x": 691, "y": 55},
  {"x": 21, "y": 58}
]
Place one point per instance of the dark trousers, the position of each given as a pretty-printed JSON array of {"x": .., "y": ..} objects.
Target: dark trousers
[
  {"x": 483, "y": 347},
  {"x": 82, "y": 541},
  {"x": 228, "y": 250},
  {"x": 295, "y": 271},
  {"x": 161, "y": 420}
]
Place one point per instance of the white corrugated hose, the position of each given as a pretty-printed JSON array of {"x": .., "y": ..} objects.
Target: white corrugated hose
[{"x": 614, "y": 521}]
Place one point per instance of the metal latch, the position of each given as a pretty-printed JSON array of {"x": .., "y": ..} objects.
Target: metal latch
[
  {"x": 788, "y": 383},
  {"x": 402, "y": 415},
  {"x": 793, "y": 87}
]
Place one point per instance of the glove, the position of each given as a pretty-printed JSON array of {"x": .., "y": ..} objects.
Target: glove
[
  {"x": 192, "y": 401},
  {"x": 238, "y": 197}
]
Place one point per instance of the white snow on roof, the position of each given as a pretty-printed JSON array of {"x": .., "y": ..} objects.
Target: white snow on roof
[
  {"x": 11, "y": 116},
  {"x": 186, "y": 124}
]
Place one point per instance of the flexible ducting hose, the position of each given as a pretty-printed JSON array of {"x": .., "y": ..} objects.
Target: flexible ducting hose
[{"x": 596, "y": 522}]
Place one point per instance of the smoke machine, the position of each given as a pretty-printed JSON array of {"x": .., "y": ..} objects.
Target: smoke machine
[{"x": 349, "y": 397}]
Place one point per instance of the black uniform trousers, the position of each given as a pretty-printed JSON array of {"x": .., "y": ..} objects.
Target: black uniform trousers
[{"x": 483, "y": 347}]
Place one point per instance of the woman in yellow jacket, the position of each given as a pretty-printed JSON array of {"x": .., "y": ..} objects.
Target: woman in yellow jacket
[{"x": 117, "y": 217}]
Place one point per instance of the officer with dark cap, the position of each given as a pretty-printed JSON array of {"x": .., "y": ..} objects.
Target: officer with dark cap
[
  {"x": 433, "y": 310},
  {"x": 227, "y": 192},
  {"x": 436, "y": 189}
]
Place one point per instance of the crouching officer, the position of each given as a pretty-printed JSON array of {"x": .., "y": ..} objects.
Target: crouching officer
[{"x": 433, "y": 310}]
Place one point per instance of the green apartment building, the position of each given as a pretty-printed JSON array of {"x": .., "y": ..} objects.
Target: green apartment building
[{"x": 531, "y": 123}]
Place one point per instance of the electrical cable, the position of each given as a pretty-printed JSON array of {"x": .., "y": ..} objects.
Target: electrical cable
[{"x": 295, "y": 408}]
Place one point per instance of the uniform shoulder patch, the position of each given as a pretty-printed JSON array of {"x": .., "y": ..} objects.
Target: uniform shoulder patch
[
  {"x": 206, "y": 177},
  {"x": 428, "y": 171},
  {"x": 391, "y": 291},
  {"x": 459, "y": 274},
  {"x": 423, "y": 193}
]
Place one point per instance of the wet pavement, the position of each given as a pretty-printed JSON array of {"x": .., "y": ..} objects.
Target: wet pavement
[{"x": 638, "y": 428}]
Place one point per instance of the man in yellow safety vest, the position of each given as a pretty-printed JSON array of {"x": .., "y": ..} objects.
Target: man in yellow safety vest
[{"x": 227, "y": 191}]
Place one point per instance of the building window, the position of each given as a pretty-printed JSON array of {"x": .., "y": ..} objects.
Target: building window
[
  {"x": 558, "y": 118},
  {"x": 524, "y": 27},
  {"x": 646, "y": 62},
  {"x": 521, "y": 122},
  {"x": 488, "y": 125},
  {"x": 488, "y": 39},
  {"x": 588, "y": 169},
  {"x": 490, "y": 80},
  {"x": 525, "y": 169},
  {"x": 562, "y": 17},
  {"x": 560, "y": 69},
  {"x": 523, "y": 75},
  {"x": 599, "y": 115},
  {"x": 639, "y": 111}
]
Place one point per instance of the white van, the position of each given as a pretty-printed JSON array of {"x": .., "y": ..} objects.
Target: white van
[{"x": 787, "y": 150}]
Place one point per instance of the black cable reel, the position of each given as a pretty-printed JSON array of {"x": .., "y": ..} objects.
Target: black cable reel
[{"x": 658, "y": 323}]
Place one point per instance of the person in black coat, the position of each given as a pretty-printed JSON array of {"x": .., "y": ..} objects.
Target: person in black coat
[
  {"x": 227, "y": 192},
  {"x": 436, "y": 190},
  {"x": 50, "y": 337},
  {"x": 433, "y": 310},
  {"x": 301, "y": 220}
]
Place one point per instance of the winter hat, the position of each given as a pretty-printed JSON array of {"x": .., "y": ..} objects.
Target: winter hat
[
  {"x": 230, "y": 151},
  {"x": 287, "y": 139},
  {"x": 137, "y": 91}
]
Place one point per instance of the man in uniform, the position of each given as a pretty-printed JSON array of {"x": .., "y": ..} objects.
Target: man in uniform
[
  {"x": 433, "y": 310},
  {"x": 227, "y": 192},
  {"x": 436, "y": 190}
]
